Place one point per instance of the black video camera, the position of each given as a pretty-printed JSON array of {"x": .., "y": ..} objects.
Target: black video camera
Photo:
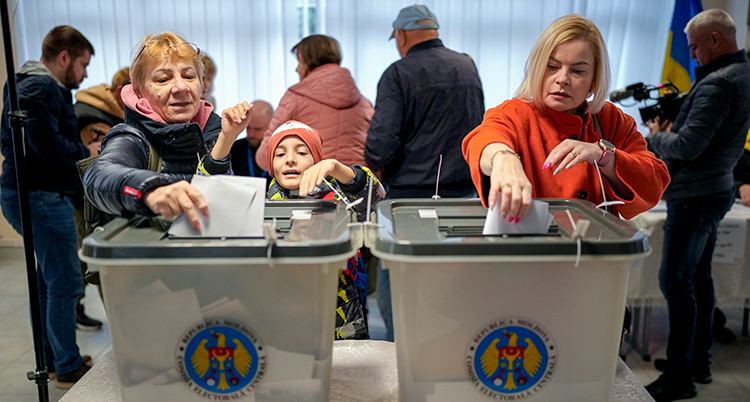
[{"x": 666, "y": 107}]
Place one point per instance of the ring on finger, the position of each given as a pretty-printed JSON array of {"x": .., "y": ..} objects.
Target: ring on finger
[
  {"x": 575, "y": 154},
  {"x": 504, "y": 185}
]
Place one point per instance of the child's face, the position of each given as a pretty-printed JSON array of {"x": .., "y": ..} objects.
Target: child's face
[{"x": 290, "y": 159}]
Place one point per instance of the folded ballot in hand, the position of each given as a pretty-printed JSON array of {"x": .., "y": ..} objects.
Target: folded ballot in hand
[
  {"x": 235, "y": 207},
  {"x": 536, "y": 221}
]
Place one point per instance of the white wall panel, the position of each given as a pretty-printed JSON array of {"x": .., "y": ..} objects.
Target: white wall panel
[{"x": 250, "y": 40}]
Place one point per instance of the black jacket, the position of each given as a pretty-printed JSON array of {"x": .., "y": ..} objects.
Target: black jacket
[
  {"x": 54, "y": 145},
  {"x": 709, "y": 133},
  {"x": 119, "y": 180},
  {"x": 426, "y": 104}
]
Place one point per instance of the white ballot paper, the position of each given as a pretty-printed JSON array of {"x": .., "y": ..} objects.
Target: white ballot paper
[
  {"x": 536, "y": 221},
  {"x": 235, "y": 207}
]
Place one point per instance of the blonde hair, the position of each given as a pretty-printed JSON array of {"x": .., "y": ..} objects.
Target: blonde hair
[
  {"x": 563, "y": 30},
  {"x": 144, "y": 62},
  {"x": 208, "y": 65},
  {"x": 122, "y": 77}
]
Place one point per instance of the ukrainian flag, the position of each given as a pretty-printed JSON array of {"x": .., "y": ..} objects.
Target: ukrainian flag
[{"x": 679, "y": 68}]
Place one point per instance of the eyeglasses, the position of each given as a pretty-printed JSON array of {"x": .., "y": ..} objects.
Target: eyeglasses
[{"x": 160, "y": 49}]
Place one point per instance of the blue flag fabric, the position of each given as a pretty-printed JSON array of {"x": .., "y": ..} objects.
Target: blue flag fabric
[{"x": 679, "y": 68}]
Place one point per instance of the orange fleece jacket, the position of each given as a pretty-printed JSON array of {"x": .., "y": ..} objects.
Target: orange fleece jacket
[{"x": 534, "y": 133}]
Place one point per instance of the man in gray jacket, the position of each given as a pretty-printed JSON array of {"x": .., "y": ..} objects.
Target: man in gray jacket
[{"x": 700, "y": 150}]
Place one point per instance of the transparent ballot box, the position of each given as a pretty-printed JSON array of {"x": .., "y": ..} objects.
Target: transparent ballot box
[
  {"x": 535, "y": 317},
  {"x": 245, "y": 319}
]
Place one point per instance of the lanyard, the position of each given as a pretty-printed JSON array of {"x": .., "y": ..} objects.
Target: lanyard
[{"x": 250, "y": 162}]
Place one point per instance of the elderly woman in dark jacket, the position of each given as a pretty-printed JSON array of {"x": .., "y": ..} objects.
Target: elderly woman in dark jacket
[{"x": 163, "y": 108}]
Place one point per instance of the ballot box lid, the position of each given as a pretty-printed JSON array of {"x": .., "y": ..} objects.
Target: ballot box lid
[
  {"x": 453, "y": 227},
  {"x": 321, "y": 230}
]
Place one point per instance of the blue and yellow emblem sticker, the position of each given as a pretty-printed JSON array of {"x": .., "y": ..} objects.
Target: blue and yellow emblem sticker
[
  {"x": 221, "y": 359},
  {"x": 511, "y": 358}
]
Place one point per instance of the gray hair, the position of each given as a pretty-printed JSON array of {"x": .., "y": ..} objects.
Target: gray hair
[{"x": 714, "y": 19}]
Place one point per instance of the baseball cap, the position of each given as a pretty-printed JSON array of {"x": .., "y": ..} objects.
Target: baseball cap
[{"x": 409, "y": 16}]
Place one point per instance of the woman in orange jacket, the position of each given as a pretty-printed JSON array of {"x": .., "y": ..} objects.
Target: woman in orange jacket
[{"x": 550, "y": 139}]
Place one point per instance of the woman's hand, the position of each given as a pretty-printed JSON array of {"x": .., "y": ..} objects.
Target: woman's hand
[
  {"x": 745, "y": 194},
  {"x": 175, "y": 199},
  {"x": 315, "y": 175},
  {"x": 570, "y": 153},
  {"x": 233, "y": 121},
  {"x": 508, "y": 181}
]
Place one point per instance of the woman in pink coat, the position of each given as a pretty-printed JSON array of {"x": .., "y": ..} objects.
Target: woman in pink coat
[{"x": 326, "y": 99}]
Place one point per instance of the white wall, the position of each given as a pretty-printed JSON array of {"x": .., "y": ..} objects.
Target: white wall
[
  {"x": 738, "y": 9},
  {"x": 251, "y": 40}
]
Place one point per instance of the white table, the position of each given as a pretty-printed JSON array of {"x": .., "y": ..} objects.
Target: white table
[
  {"x": 361, "y": 371},
  {"x": 731, "y": 273}
]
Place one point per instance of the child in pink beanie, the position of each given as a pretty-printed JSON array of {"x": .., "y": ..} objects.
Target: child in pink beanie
[{"x": 299, "y": 172}]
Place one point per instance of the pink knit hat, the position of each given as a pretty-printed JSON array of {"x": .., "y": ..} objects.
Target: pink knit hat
[{"x": 309, "y": 136}]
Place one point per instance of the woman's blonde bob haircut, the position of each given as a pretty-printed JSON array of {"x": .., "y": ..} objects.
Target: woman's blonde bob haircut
[
  {"x": 563, "y": 30},
  {"x": 144, "y": 63}
]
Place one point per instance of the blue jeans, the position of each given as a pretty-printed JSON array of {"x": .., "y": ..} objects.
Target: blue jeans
[
  {"x": 58, "y": 271},
  {"x": 685, "y": 278}
]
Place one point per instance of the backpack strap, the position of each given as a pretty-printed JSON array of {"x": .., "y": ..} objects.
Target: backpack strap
[
  {"x": 154, "y": 165},
  {"x": 154, "y": 158}
]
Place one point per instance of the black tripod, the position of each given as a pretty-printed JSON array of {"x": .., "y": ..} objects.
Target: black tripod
[{"x": 18, "y": 121}]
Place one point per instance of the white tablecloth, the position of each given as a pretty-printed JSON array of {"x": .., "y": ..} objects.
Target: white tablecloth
[
  {"x": 361, "y": 371},
  {"x": 731, "y": 279}
]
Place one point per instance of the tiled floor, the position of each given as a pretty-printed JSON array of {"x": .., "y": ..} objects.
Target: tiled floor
[
  {"x": 731, "y": 369},
  {"x": 16, "y": 343}
]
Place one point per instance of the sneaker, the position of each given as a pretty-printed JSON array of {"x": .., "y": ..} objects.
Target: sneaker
[
  {"x": 86, "y": 323},
  {"x": 86, "y": 360},
  {"x": 68, "y": 380},
  {"x": 667, "y": 388},
  {"x": 701, "y": 375}
]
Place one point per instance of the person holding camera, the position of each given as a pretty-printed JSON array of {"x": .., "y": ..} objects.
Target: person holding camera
[{"x": 700, "y": 149}]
